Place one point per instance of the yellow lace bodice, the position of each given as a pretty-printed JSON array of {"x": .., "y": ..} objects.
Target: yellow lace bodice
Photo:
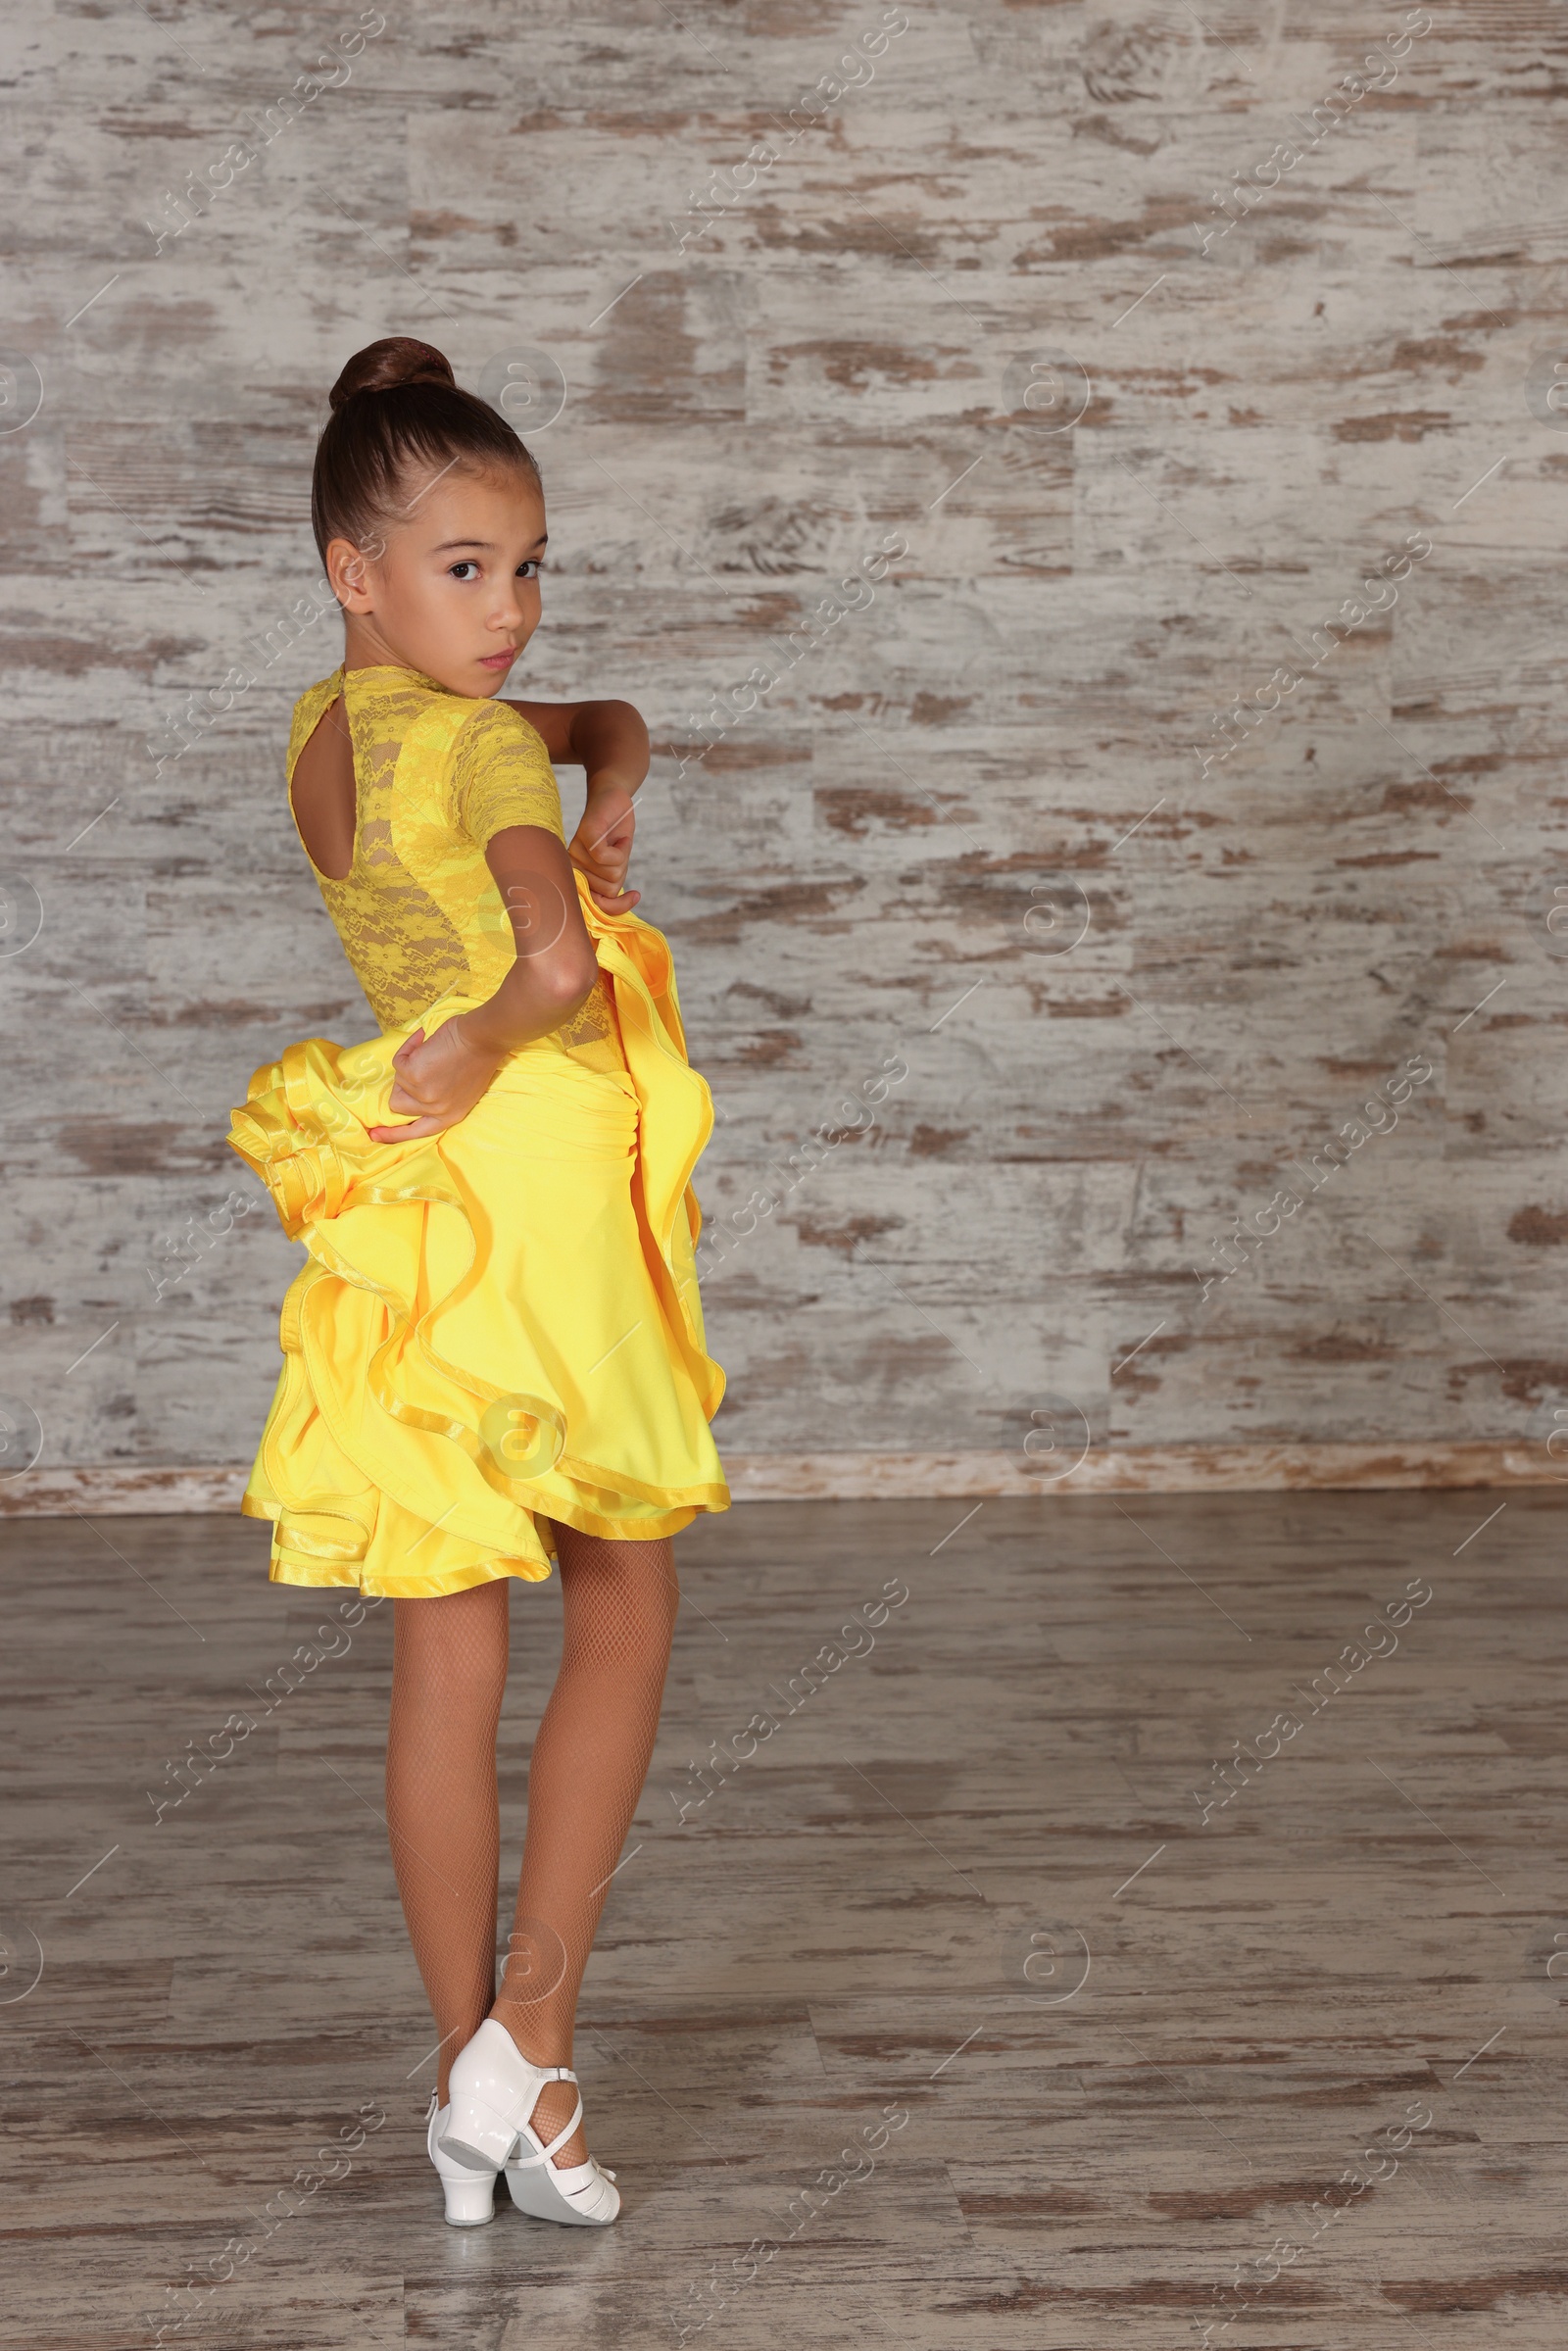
[{"x": 435, "y": 777}]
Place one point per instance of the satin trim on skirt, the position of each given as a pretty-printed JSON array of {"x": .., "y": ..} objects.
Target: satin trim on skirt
[{"x": 494, "y": 1323}]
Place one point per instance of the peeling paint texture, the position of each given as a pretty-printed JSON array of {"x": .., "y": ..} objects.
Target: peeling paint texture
[{"x": 1094, "y": 587}]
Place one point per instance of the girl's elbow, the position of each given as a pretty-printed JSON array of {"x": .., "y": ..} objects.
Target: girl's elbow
[
  {"x": 568, "y": 981},
  {"x": 628, "y": 715}
]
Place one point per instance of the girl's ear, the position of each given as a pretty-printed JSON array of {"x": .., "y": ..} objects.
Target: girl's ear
[{"x": 348, "y": 568}]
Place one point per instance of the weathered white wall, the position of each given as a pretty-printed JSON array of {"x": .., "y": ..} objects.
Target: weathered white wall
[{"x": 982, "y": 308}]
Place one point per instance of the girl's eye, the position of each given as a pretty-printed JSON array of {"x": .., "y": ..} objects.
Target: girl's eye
[
  {"x": 465, "y": 570},
  {"x": 529, "y": 569}
]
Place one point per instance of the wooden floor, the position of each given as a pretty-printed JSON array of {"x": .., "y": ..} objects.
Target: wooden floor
[{"x": 1117, "y": 2072}]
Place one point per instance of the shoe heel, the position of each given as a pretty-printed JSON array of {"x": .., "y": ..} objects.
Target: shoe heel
[
  {"x": 477, "y": 2136},
  {"x": 469, "y": 2194},
  {"x": 470, "y": 2201}
]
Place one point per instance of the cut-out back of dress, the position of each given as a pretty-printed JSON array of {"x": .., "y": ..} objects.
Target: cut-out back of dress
[
  {"x": 322, "y": 796},
  {"x": 436, "y": 775}
]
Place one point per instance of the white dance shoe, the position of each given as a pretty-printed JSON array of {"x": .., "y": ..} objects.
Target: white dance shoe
[
  {"x": 488, "y": 2127},
  {"x": 469, "y": 2195}
]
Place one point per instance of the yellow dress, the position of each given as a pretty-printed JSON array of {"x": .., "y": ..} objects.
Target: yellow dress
[{"x": 501, "y": 1320}]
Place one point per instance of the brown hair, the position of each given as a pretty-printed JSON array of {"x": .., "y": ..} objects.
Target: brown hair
[{"x": 396, "y": 406}]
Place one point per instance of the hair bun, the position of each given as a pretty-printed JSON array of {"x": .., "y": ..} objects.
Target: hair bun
[{"x": 387, "y": 365}]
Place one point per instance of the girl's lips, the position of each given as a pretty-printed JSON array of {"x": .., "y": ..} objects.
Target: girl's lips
[{"x": 498, "y": 661}]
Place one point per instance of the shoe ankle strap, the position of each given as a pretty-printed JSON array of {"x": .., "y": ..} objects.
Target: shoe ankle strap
[{"x": 526, "y": 2163}]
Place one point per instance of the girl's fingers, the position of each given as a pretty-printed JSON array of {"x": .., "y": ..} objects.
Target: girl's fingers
[
  {"x": 401, "y": 1104},
  {"x": 416, "y": 1128},
  {"x": 607, "y": 888}
]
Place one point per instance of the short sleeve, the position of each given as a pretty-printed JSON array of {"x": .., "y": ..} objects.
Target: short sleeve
[
  {"x": 501, "y": 774},
  {"x": 308, "y": 712}
]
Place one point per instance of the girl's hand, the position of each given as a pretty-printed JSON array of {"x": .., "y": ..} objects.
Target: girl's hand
[
  {"x": 600, "y": 847},
  {"x": 438, "y": 1081}
]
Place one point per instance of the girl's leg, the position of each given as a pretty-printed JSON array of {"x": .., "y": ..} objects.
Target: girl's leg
[
  {"x": 590, "y": 1759},
  {"x": 449, "y": 1675}
]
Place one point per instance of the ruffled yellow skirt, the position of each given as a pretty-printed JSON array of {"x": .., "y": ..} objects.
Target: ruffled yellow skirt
[{"x": 496, "y": 1325}]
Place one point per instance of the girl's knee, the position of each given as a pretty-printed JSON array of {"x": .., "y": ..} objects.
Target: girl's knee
[{"x": 625, "y": 1606}]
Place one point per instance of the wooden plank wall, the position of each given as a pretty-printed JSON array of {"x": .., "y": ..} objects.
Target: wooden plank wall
[{"x": 1090, "y": 843}]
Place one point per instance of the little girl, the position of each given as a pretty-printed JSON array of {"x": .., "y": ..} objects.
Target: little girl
[{"x": 494, "y": 1354}]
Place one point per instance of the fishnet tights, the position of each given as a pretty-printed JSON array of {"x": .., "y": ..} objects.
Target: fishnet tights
[{"x": 590, "y": 1759}]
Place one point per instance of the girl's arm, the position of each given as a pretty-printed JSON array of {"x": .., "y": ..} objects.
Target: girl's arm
[
  {"x": 611, "y": 742},
  {"x": 439, "y": 1079}
]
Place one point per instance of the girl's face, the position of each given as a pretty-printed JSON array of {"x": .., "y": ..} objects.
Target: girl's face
[{"x": 452, "y": 587}]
